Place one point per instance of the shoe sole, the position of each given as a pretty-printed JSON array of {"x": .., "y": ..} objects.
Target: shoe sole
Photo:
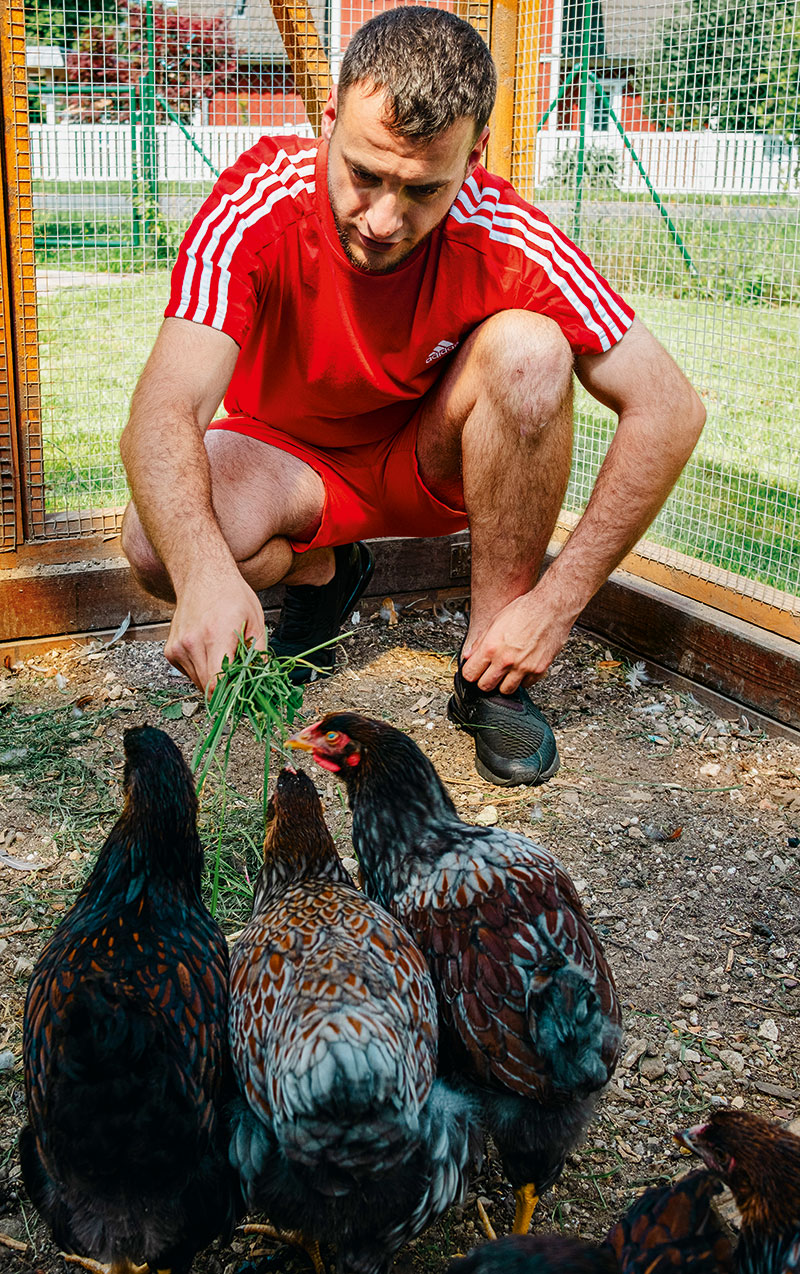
[{"x": 499, "y": 780}]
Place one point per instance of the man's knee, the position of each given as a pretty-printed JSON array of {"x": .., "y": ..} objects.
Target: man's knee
[{"x": 526, "y": 363}]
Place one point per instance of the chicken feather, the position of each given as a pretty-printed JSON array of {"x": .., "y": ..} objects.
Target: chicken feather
[
  {"x": 760, "y": 1162},
  {"x": 124, "y": 1041},
  {"x": 667, "y": 1228},
  {"x": 529, "y": 1015},
  {"x": 343, "y": 1132}
]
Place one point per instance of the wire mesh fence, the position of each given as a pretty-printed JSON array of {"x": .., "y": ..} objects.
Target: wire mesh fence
[{"x": 661, "y": 134}]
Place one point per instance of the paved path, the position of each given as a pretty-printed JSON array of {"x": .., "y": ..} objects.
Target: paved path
[{"x": 49, "y": 281}]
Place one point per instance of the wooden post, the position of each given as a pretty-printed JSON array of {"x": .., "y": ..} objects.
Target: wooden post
[
  {"x": 503, "y": 43},
  {"x": 10, "y": 502},
  {"x": 306, "y": 54},
  {"x": 528, "y": 105},
  {"x": 21, "y": 460}
]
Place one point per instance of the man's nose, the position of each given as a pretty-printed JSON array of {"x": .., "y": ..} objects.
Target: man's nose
[{"x": 385, "y": 216}]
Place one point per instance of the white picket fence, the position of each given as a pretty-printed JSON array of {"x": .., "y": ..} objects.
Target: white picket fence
[
  {"x": 104, "y": 152},
  {"x": 688, "y": 163},
  {"x": 701, "y": 162}
]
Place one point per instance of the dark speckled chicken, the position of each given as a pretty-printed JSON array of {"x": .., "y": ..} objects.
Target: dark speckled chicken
[
  {"x": 125, "y": 1152},
  {"x": 343, "y": 1134},
  {"x": 760, "y": 1163},
  {"x": 670, "y": 1229},
  {"x": 537, "y": 1254},
  {"x": 529, "y": 1016},
  {"x": 673, "y": 1228}
]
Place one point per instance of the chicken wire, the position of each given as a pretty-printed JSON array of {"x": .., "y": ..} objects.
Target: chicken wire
[
  {"x": 690, "y": 207},
  {"x": 663, "y": 136},
  {"x": 134, "y": 109}
]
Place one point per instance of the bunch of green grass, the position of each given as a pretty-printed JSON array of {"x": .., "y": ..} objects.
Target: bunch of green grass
[{"x": 254, "y": 688}]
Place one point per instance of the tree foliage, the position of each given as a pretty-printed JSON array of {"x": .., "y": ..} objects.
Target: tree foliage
[
  {"x": 732, "y": 65},
  {"x": 60, "y": 24},
  {"x": 192, "y": 58}
]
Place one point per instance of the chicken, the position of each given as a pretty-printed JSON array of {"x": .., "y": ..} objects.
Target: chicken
[
  {"x": 672, "y": 1227},
  {"x": 125, "y": 1049},
  {"x": 536, "y": 1254},
  {"x": 760, "y": 1163},
  {"x": 343, "y": 1133},
  {"x": 529, "y": 1017}
]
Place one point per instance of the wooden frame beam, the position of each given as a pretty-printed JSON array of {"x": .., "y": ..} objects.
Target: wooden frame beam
[
  {"x": 503, "y": 44},
  {"x": 50, "y": 594},
  {"x": 306, "y": 54},
  {"x": 702, "y": 582},
  {"x": 21, "y": 438}
]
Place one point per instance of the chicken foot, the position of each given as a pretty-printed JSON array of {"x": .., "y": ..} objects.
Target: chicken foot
[
  {"x": 115, "y": 1267},
  {"x": 527, "y": 1198},
  {"x": 488, "y": 1228},
  {"x": 310, "y": 1247}
]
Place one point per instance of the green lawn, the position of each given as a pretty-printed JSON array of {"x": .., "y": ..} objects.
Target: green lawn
[
  {"x": 736, "y": 506},
  {"x": 93, "y": 343}
]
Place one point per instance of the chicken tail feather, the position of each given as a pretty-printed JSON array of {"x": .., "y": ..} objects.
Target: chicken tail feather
[
  {"x": 570, "y": 1030},
  {"x": 353, "y": 1106}
]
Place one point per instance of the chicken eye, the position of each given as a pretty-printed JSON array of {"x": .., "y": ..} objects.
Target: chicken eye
[{"x": 332, "y": 736}]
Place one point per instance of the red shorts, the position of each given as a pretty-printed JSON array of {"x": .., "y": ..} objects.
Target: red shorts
[{"x": 371, "y": 490}]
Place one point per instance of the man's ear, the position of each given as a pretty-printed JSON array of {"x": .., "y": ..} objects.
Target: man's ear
[
  {"x": 476, "y": 154},
  {"x": 329, "y": 114}
]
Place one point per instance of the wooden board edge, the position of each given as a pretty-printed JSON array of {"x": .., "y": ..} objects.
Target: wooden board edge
[{"x": 747, "y": 666}]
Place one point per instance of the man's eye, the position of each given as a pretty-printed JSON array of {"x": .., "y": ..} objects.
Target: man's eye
[{"x": 361, "y": 176}]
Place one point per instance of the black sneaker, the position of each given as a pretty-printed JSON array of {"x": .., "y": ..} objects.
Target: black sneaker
[
  {"x": 514, "y": 745},
  {"x": 313, "y": 613}
]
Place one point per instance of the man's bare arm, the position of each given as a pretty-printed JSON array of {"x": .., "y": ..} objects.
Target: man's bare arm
[
  {"x": 660, "y": 421},
  {"x": 162, "y": 449}
]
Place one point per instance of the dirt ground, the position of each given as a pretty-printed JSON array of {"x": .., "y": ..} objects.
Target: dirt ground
[{"x": 680, "y": 829}]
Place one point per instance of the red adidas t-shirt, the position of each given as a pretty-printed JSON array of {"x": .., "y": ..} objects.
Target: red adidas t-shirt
[{"x": 334, "y": 355}]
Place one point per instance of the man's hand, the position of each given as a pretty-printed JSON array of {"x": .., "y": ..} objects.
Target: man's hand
[
  {"x": 660, "y": 419},
  {"x": 520, "y": 644},
  {"x": 209, "y": 616}
]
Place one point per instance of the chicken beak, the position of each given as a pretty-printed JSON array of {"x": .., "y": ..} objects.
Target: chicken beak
[
  {"x": 684, "y": 1141},
  {"x": 689, "y": 1142},
  {"x": 303, "y": 740}
]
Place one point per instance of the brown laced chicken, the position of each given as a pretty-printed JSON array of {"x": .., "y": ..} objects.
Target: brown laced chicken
[
  {"x": 670, "y": 1229},
  {"x": 343, "y": 1133},
  {"x": 529, "y": 1017},
  {"x": 760, "y": 1163},
  {"x": 125, "y": 1047}
]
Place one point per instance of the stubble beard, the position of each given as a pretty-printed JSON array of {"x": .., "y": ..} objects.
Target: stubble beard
[{"x": 366, "y": 265}]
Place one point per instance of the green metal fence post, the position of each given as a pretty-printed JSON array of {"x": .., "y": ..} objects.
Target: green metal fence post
[
  {"x": 135, "y": 188},
  {"x": 586, "y": 31},
  {"x": 654, "y": 195},
  {"x": 149, "y": 156}
]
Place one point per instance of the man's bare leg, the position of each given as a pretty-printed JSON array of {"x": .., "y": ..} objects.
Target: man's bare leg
[
  {"x": 262, "y": 497},
  {"x": 498, "y": 431}
]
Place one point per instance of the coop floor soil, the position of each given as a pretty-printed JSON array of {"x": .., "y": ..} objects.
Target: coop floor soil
[{"x": 679, "y": 828}]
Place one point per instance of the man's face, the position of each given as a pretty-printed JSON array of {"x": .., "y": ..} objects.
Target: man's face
[{"x": 387, "y": 192}]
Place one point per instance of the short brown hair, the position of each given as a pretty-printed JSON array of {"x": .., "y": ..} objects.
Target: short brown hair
[{"x": 433, "y": 68}]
